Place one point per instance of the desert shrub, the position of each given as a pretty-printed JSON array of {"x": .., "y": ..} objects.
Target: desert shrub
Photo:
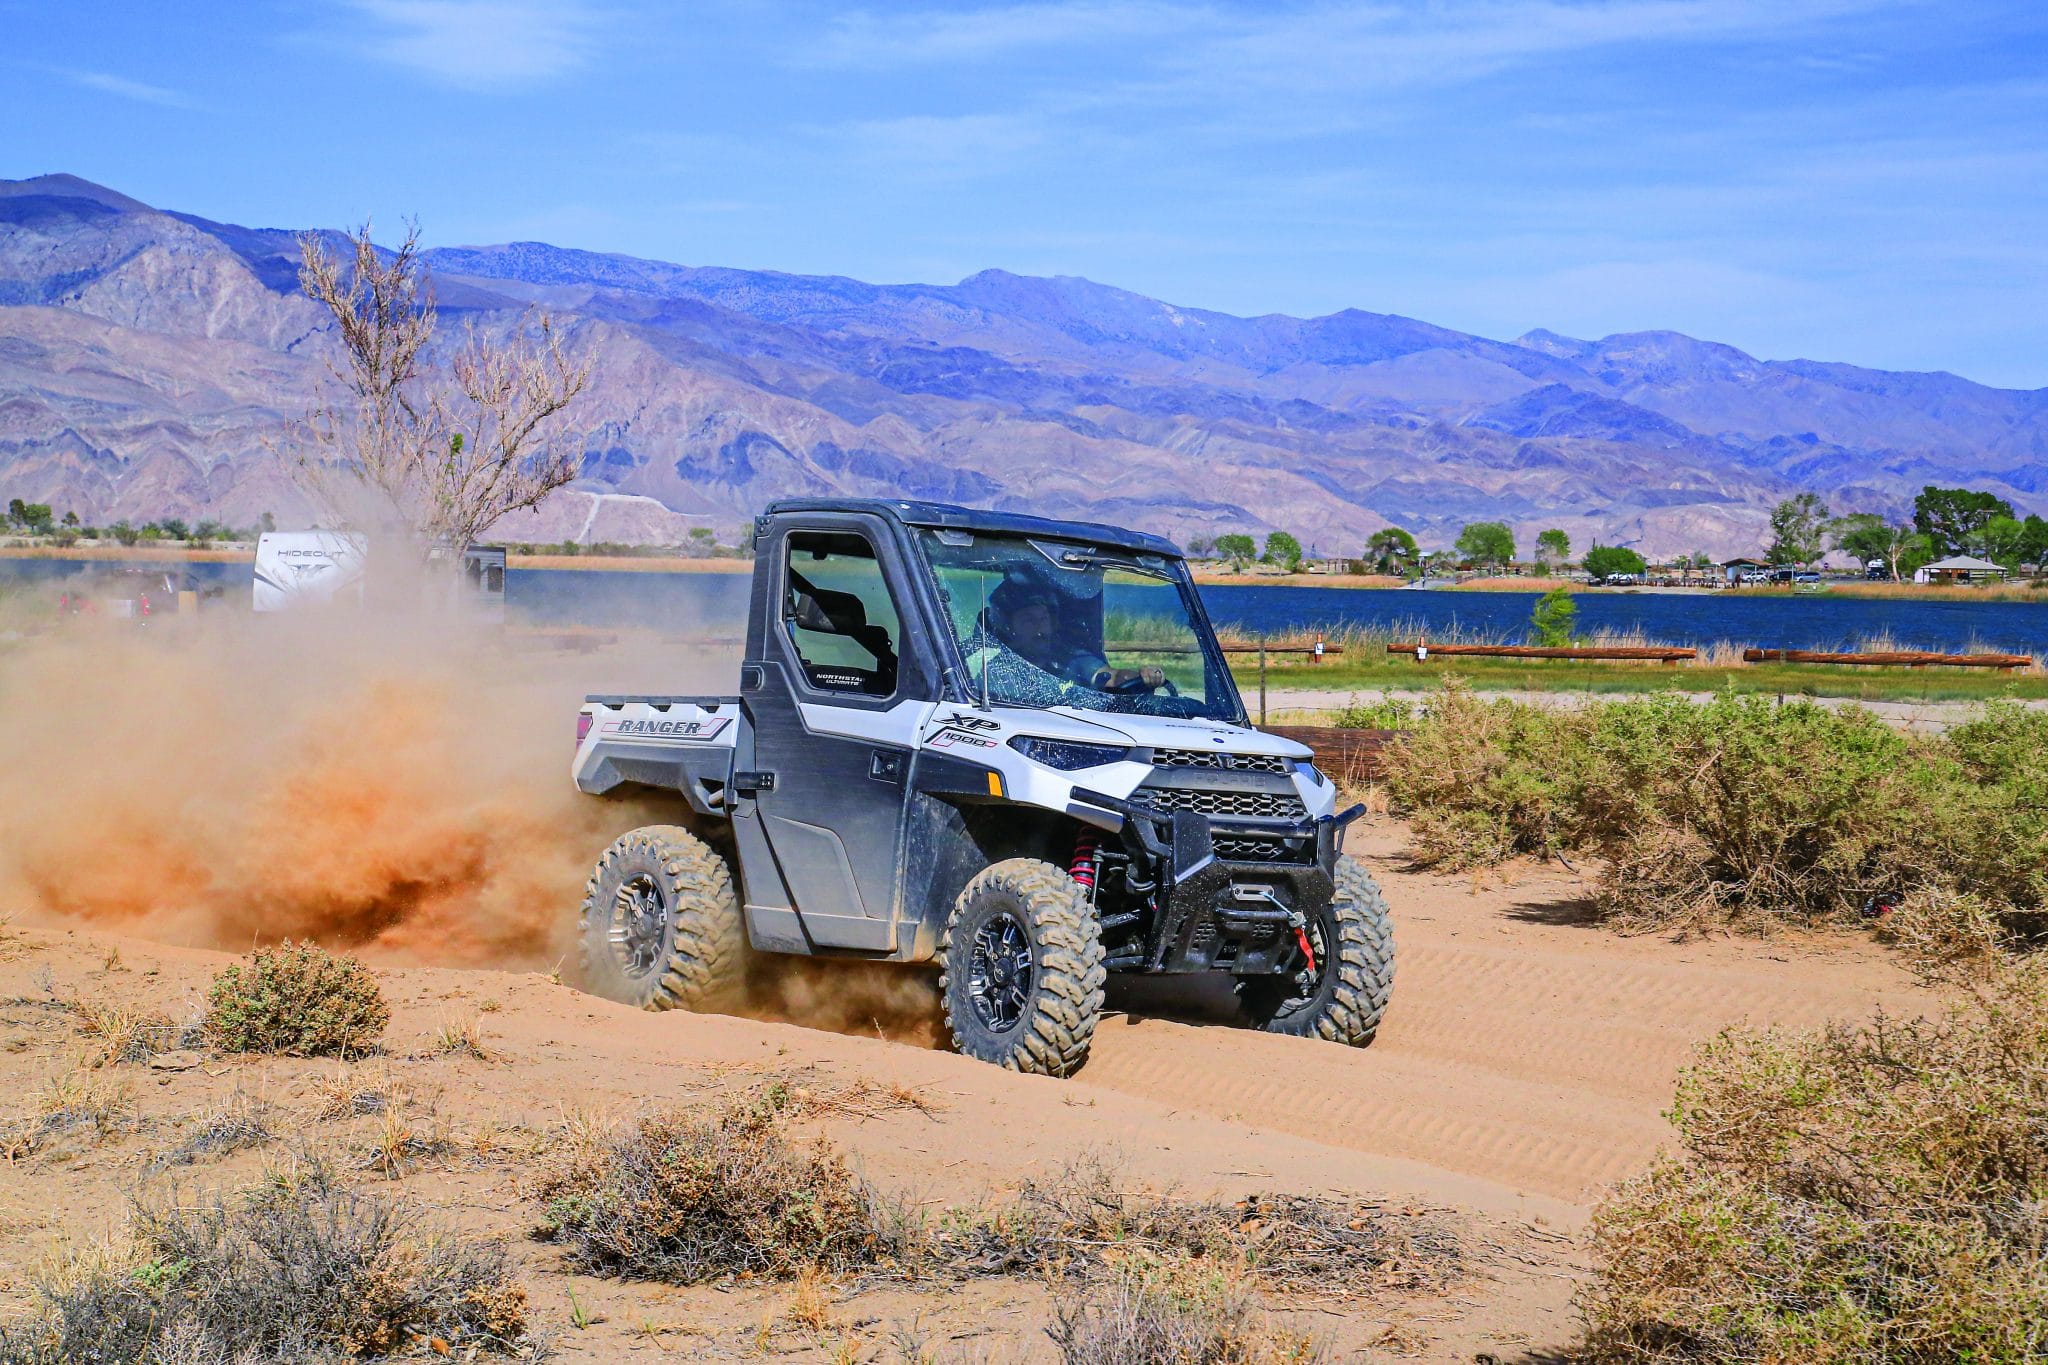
[
  {"x": 1869, "y": 1193},
  {"x": 1172, "y": 1312},
  {"x": 1742, "y": 807},
  {"x": 1483, "y": 781},
  {"x": 298, "y": 999},
  {"x": 290, "y": 1271},
  {"x": 1381, "y": 713},
  {"x": 1745, "y": 811},
  {"x": 688, "y": 1198}
]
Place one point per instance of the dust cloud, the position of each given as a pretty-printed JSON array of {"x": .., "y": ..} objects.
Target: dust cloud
[
  {"x": 391, "y": 784},
  {"x": 388, "y": 785},
  {"x": 873, "y": 999}
]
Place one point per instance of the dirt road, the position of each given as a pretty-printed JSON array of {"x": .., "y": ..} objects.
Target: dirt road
[
  {"x": 1523, "y": 1065},
  {"x": 1526, "y": 1047}
]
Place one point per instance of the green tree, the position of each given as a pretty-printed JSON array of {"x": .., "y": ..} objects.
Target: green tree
[
  {"x": 1605, "y": 561},
  {"x": 2003, "y": 540},
  {"x": 174, "y": 528},
  {"x": 1862, "y": 534},
  {"x": 1953, "y": 519},
  {"x": 1239, "y": 548},
  {"x": 1553, "y": 548},
  {"x": 1284, "y": 550},
  {"x": 1486, "y": 542},
  {"x": 1798, "y": 530},
  {"x": 1391, "y": 549},
  {"x": 2034, "y": 541},
  {"x": 17, "y": 512},
  {"x": 268, "y": 524},
  {"x": 1554, "y": 617},
  {"x": 71, "y": 519},
  {"x": 125, "y": 533},
  {"x": 1200, "y": 546}
]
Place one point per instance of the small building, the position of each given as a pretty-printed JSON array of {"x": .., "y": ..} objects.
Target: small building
[
  {"x": 1959, "y": 569},
  {"x": 1735, "y": 570}
]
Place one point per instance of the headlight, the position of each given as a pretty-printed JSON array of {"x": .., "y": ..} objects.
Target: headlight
[
  {"x": 1065, "y": 754},
  {"x": 1309, "y": 770}
]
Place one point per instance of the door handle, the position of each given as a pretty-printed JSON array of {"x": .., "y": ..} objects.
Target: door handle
[
  {"x": 753, "y": 783},
  {"x": 885, "y": 765}
]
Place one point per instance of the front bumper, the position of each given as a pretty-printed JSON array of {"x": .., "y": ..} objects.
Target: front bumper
[{"x": 1216, "y": 914}]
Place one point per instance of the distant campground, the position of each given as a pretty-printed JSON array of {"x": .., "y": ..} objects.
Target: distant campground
[{"x": 713, "y": 606}]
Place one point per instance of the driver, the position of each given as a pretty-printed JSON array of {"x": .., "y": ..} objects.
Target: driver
[{"x": 1026, "y": 618}]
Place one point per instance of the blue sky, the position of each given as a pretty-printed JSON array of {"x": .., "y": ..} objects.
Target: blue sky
[{"x": 1859, "y": 180}]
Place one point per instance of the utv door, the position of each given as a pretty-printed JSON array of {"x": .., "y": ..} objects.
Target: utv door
[{"x": 840, "y": 690}]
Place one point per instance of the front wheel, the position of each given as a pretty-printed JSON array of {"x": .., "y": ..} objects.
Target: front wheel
[
  {"x": 1345, "y": 995},
  {"x": 1021, "y": 970},
  {"x": 661, "y": 927}
]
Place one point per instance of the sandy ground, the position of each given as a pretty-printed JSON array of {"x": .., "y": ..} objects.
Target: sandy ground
[{"x": 1523, "y": 1066}]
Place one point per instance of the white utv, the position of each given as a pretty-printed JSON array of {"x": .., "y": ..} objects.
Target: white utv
[{"x": 1003, "y": 743}]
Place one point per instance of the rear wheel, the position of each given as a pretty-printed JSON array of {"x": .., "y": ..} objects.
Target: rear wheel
[
  {"x": 661, "y": 927},
  {"x": 1342, "y": 999},
  {"x": 1021, "y": 969}
]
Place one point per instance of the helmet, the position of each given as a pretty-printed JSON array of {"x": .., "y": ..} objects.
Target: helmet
[{"x": 1013, "y": 595}]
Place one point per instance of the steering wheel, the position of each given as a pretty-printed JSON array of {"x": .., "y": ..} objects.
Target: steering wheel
[{"x": 1136, "y": 686}]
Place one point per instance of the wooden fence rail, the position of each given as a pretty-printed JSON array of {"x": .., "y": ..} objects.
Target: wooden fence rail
[
  {"x": 1663, "y": 654},
  {"x": 1351, "y": 757},
  {"x": 1888, "y": 658}
]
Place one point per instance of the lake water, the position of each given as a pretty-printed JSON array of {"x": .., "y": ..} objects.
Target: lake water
[{"x": 716, "y": 603}]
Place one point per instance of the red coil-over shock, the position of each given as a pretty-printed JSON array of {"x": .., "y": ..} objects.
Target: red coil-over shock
[{"x": 1082, "y": 869}]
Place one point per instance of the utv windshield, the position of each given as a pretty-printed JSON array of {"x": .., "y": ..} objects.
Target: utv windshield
[{"x": 1055, "y": 623}]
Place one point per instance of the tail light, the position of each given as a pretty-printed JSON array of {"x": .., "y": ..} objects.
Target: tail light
[
  {"x": 583, "y": 719},
  {"x": 145, "y": 604}
]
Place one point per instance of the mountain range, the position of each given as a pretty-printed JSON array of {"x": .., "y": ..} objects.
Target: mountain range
[{"x": 151, "y": 360}]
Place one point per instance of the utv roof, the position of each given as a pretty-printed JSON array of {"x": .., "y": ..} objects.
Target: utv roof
[{"x": 976, "y": 519}]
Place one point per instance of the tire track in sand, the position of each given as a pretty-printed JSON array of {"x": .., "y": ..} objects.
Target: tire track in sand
[{"x": 1534, "y": 1054}]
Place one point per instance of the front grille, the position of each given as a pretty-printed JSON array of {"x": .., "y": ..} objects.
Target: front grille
[
  {"x": 1217, "y": 759},
  {"x": 1241, "y": 805},
  {"x": 1253, "y": 848}
]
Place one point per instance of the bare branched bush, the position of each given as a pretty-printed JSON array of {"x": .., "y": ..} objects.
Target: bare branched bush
[
  {"x": 446, "y": 440},
  {"x": 1871, "y": 1193},
  {"x": 688, "y": 1198},
  {"x": 289, "y": 1271},
  {"x": 1172, "y": 1312},
  {"x": 297, "y": 999},
  {"x": 1084, "y": 1216},
  {"x": 74, "y": 1110}
]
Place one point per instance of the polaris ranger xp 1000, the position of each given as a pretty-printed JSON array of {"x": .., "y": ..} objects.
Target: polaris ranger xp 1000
[{"x": 1007, "y": 744}]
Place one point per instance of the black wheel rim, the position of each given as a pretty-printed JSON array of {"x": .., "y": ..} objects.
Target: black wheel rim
[
  {"x": 1000, "y": 972},
  {"x": 639, "y": 923}
]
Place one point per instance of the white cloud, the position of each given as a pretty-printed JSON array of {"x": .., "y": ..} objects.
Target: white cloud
[
  {"x": 480, "y": 44},
  {"x": 129, "y": 90}
]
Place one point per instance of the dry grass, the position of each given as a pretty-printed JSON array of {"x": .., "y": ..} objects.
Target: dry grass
[
  {"x": 462, "y": 1036},
  {"x": 294, "y": 1269},
  {"x": 1871, "y": 1193},
  {"x": 120, "y": 1032},
  {"x": 74, "y": 1110},
  {"x": 242, "y": 1123},
  {"x": 358, "y": 1092}
]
